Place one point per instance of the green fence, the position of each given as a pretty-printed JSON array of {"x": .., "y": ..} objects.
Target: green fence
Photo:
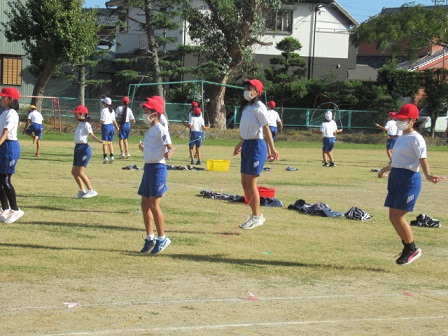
[{"x": 176, "y": 112}]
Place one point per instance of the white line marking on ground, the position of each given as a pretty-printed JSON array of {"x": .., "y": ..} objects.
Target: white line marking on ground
[
  {"x": 246, "y": 325},
  {"x": 260, "y": 299}
]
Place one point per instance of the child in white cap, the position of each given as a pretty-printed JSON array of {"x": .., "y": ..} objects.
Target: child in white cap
[
  {"x": 328, "y": 129},
  {"x": 108, "y": 127}
]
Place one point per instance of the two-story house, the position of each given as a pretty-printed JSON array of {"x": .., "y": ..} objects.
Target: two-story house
[{"x": 322, "y": 27}]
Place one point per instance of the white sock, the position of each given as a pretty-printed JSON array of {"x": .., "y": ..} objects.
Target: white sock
[
  {"x": 150, "y": 237},
  {"x": 161, "y": 237}
]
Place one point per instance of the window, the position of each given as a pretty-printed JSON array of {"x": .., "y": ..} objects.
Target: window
[
  {"x": 11, "y": 70},
  {"x": 279, "y": 21}
]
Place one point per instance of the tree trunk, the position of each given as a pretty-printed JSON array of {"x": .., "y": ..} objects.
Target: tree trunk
[
  {"x": 82, "y": 84},
  {"x": 41, "y": 82},
  {"x": 216, "y": 111},
  {"x": 153, "y": 48}
]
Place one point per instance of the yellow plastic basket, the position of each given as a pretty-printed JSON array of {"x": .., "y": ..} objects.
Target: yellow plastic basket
[{"x": 218, "y": 165}]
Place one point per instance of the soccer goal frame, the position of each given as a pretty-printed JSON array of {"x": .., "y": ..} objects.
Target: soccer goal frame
[{"x": 56, "y": 106}]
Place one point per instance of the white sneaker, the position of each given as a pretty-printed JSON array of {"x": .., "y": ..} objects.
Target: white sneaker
[
  {"x": 90, "y": 193},
  {"x": 122, "y": 156},
  {"x": 80, "y": 194},
  {"x": 253, "y": 222},
  {"x": 105, "y": 160},
  {"x": 127, "y": 156},
  {"x": 4, "y": 214},
  {"x": 111, "y": 159},
  {"x": 15, "y": 215}
]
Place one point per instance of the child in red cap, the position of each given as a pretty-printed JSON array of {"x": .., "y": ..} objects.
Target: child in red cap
[
  {"x": 275, "y": 125},
  {"x": 9, "y": 154},
  {"x": 405, "y": 181},
  {"x": 83, "y": 152},
  {"x": 254, "y": 126},
  {"x": 156, "y": 148}
]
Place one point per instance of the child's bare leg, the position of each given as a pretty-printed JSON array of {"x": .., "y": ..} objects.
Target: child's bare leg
[
  {"x": 148, "y": 218},
  {"x": 154, "y": 206}
]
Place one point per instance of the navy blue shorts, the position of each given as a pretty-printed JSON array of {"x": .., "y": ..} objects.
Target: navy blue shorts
[
  {"x": 274, "y": 132},
  {"x": 82, "y": 155},
  {"x": 9, "y": 155},
  {"x": 328, "y": 144},
  {"x": 253, "y": 156},
  {"x": 107, "y": 132},
  {"x": 124, "y": 131},
  {"x": 36, "y": 128},
  {"x": 403, "y": 188},
  {"x": 196, "y": 138},
  {"x": 390, "y": 143},
  {"x": 153, "y": 182}
]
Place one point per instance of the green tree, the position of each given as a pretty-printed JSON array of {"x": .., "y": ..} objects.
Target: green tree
[
  {"x": 399, "y": 83},
  {"x": 434, "y": 82},
  {"x": 405, "y": 32},
  {"x": 286, "y": 71},
  {"x": 155, "y": 63},
  {"x": 224, "y": 34},
  {"x": 52, "y": 32}
]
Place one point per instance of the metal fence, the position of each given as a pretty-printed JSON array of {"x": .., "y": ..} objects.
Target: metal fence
[{"x": 176, "y": 112}]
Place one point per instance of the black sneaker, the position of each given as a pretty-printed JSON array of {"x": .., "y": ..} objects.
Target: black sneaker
[
  {"x": 198, "y": 162},
  {"x": 325, "y": 164},
  {"x": 408, "y": 256},
  {"x": 149, "y": 245},
  {"x": 192, "y": 161},
  {"x": 332, "y": 164}
]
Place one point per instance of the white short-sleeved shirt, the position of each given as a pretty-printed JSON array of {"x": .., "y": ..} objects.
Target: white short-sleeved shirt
[
  {"x": 329, "y": 129},
  {"x": 273, "y": 118},
  {"x": 123, "y": 109},
  {"x": 253, "y": 118},
  {"x": 196, "y": 124},
  {"x": 9, "y": 119},
  {"x": 107, "y": 117},
  {"x": 408, "y": 150},
  {"x": 35, "y": 117},
  {"x": 391, "y": 128},
  {"x": 155, "y": 141},
  {"x": 82, "y": 132},
  {"x": 163, "y": 120}
]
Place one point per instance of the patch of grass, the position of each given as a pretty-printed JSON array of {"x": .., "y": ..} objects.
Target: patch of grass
[{"x": 62, "y": 237}]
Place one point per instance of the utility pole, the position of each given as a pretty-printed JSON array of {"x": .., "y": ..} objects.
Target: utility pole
[{"x": 440, "y": 2}]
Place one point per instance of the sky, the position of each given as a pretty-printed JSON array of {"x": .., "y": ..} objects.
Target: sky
[{"x": 361, "y": 10}]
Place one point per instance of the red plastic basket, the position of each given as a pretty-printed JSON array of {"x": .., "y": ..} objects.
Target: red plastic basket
[{"x": 264, "y": 192}]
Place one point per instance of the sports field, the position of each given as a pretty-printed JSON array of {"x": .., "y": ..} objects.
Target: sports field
[{"x": 71, "y": 266}]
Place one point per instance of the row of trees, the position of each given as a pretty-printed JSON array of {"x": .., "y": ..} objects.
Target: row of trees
[{"x": 57, "y": 32}]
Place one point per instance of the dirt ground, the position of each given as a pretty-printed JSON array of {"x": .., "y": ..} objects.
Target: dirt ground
[{"x": 193, "y": 304}]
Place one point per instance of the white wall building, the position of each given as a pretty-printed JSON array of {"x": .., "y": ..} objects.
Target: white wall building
[{"x": 322, "y": 27}]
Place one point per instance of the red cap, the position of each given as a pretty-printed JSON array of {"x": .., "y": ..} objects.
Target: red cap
[
  {"x": 197, "y": 111},
  {"x": 271, "y": 104},
  {"x": 258, "y": 85},
  {"x": 154, "y": 103},
  {"x": 194, "y": 104},
  {"x": 125, "y": 100},
  {"x": 392, "y": 114},
  {"x": 81, "y": 109},
  {"x": 408, "y": 111},
  {"x": 10, "y": 92}
]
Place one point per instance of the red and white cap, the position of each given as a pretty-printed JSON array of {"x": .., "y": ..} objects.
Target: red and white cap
[
  {"x": 81, "y": 109},
  {"x": 408, "y": 111},
  {"x": 10, "y": 92}
]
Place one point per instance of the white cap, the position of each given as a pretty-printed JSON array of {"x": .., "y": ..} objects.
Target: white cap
[
  {"x": 107, "y": 100},
  {"x": 328, "y": 115}
]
